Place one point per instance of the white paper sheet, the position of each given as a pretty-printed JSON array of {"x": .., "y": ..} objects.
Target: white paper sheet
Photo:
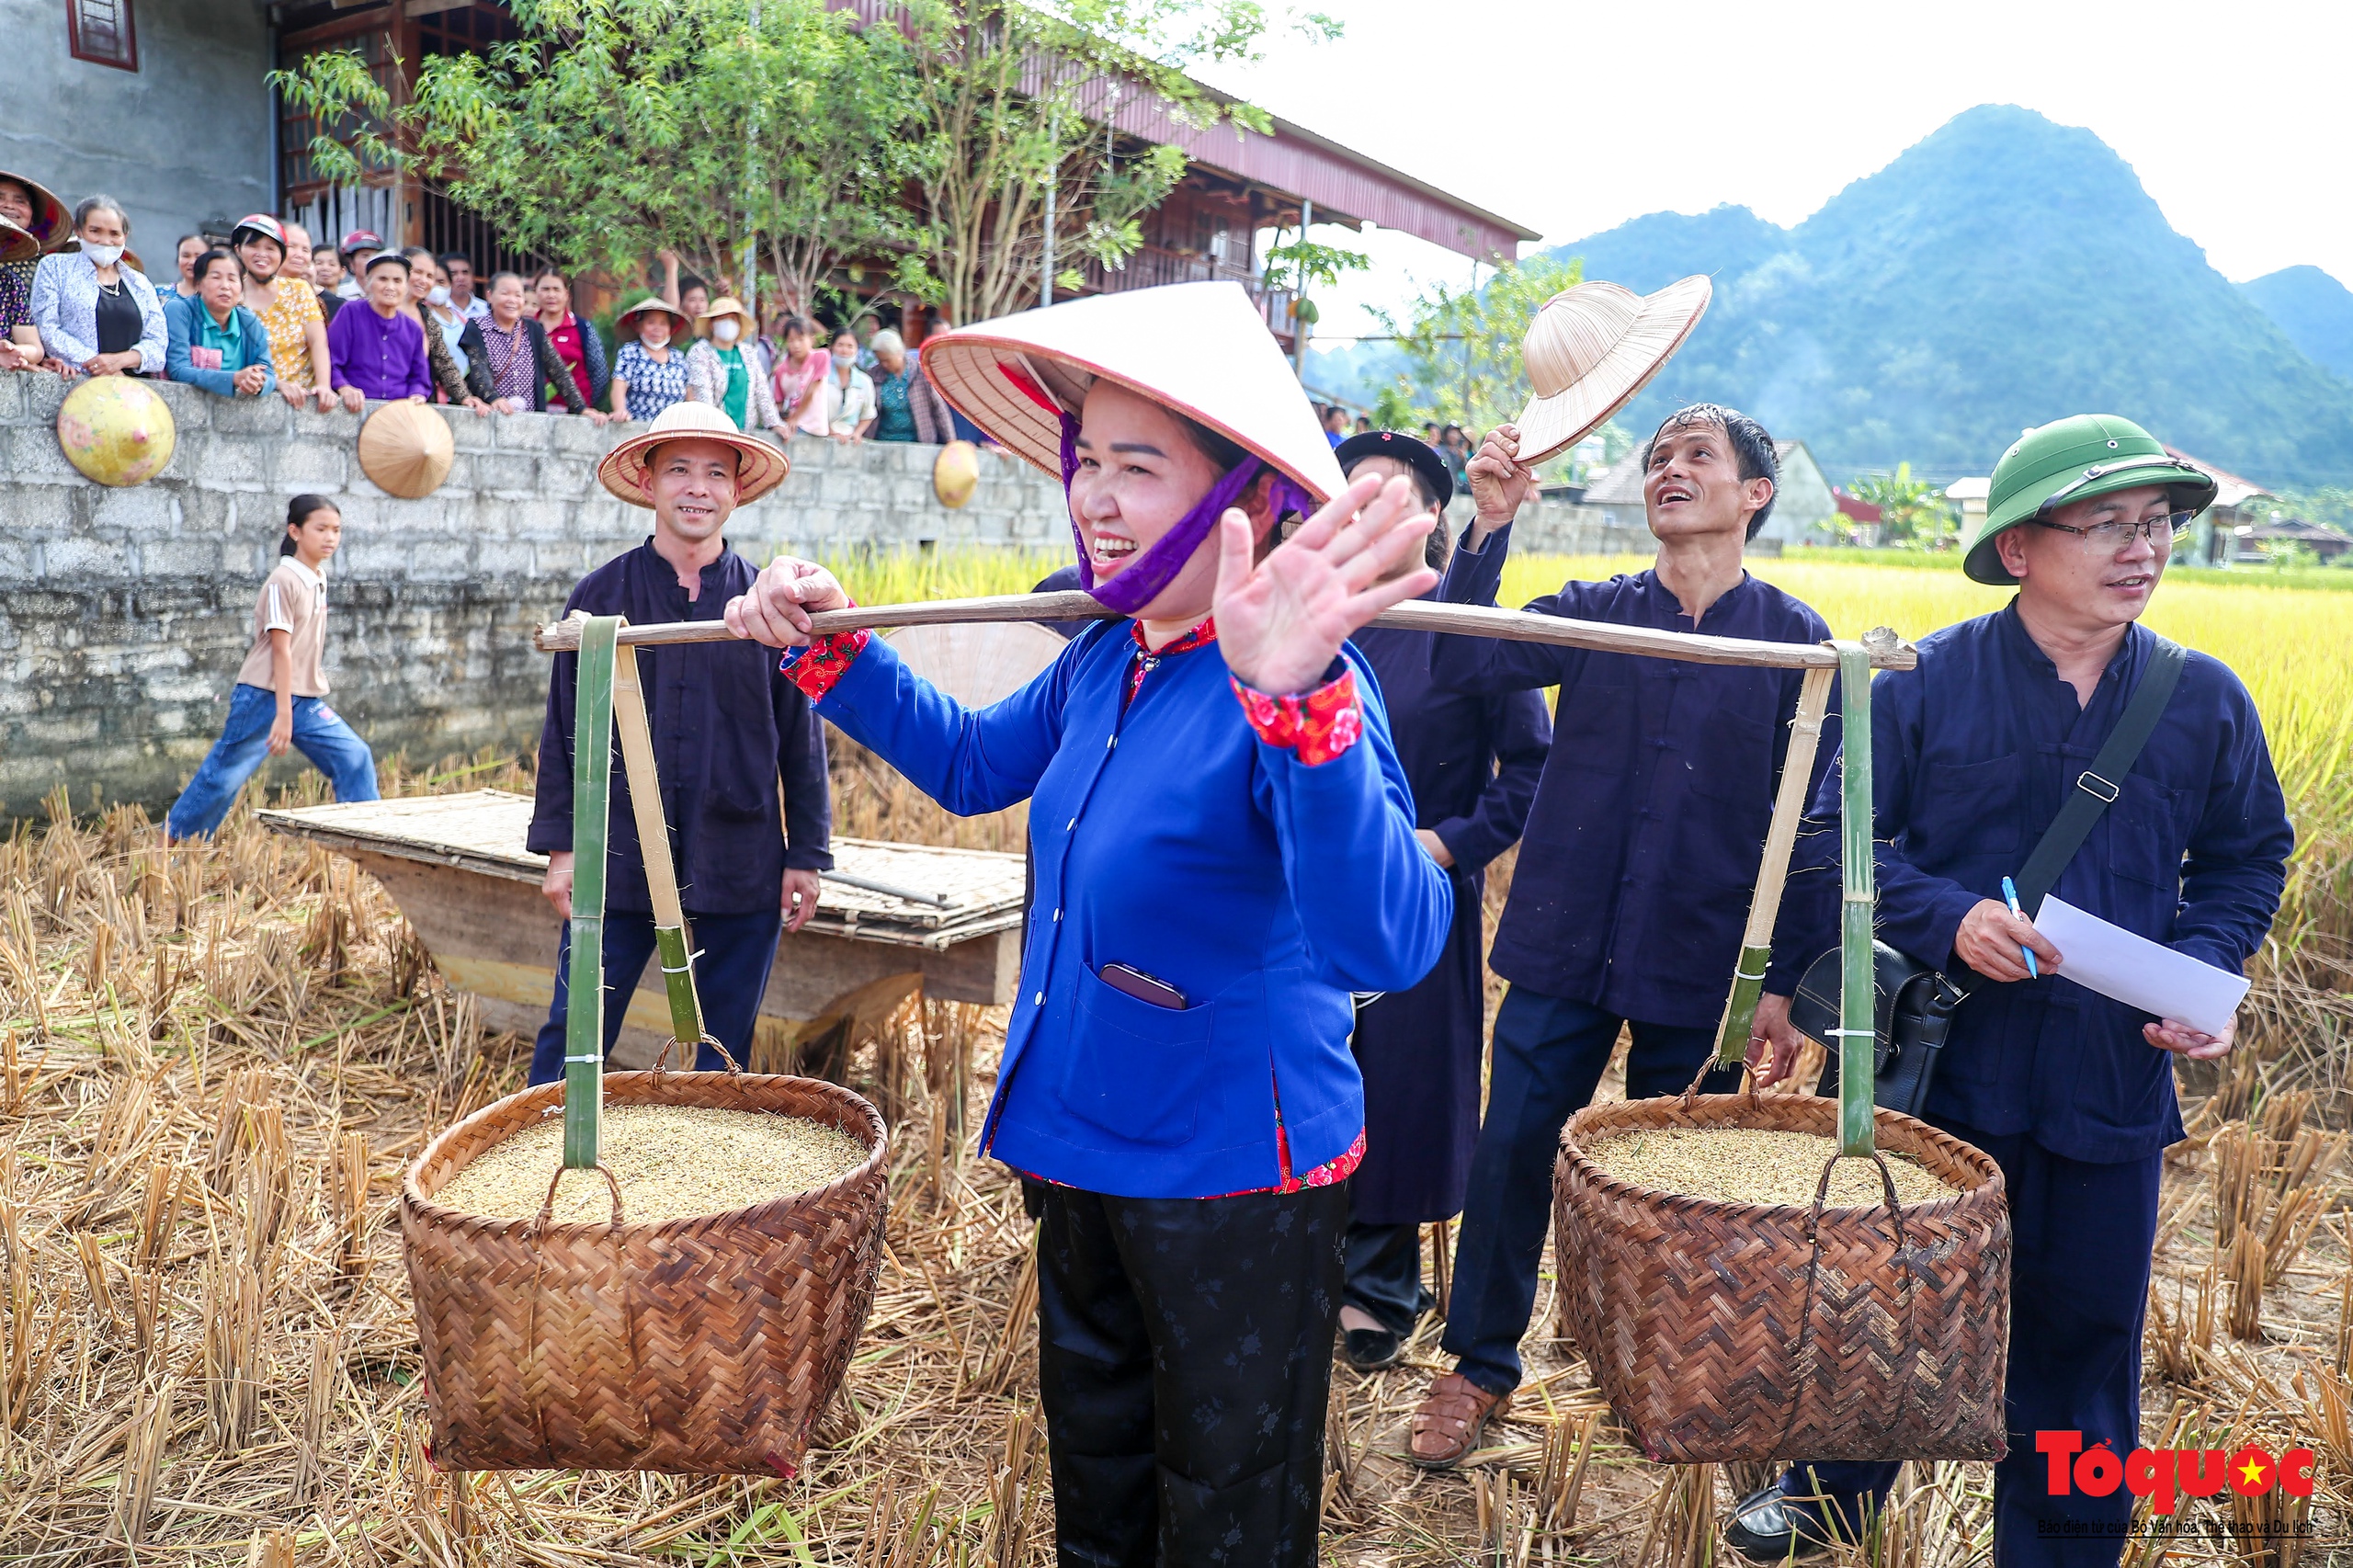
[{"x": 2138, "y": 972}]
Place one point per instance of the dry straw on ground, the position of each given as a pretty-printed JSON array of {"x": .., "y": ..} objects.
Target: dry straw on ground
[{"x": 214, "y": 1063}]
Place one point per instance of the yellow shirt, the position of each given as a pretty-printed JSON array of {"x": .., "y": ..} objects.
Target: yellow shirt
[{"x": 296, "y": 307}]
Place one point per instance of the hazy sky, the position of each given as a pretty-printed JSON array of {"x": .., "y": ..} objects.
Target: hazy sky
[{"x": 1569, "y": 118}]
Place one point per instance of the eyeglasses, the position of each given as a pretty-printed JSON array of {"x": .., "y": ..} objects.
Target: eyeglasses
[{"x": 2162, "y": 532}]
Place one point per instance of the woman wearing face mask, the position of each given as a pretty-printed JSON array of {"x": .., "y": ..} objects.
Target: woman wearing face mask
[
  {"x": 441, "y": 310},
  {"x": 449, "y": 379},
  {"x": 576, "y": 343},
  {"x": 850, "y": 408},
  {"x": 1224, "y": 850},
  {"x": 38, "y": 221},
  {"x": 96, "y": 313},
  {"x": 649, "y": 372},
  {"x": 728, "y": 369},
  {"x": 280, "y": 297},
  {"x": 510, "y": 364}
]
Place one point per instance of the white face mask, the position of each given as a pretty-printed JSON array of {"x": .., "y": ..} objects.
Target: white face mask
[
  {"x": 726, "y": 329},
  {"x": 438, "y": 294},
  {"x": 102, "y": 256}
]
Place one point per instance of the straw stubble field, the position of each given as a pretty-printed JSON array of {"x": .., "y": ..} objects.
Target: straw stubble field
[{"x": 214, "y": 1063}]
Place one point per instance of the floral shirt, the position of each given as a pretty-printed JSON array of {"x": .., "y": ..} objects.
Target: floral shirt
[
  {"x": 17, "y": 293},
  {"x": 1318, "y": 726},
  {"x": 514, "y": 365},
  {"x": 294, "y": 308},
  {"x": 654, "y": 386}
]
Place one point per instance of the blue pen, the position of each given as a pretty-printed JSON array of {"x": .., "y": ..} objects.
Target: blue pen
[{"x": 2010, "y": 897}]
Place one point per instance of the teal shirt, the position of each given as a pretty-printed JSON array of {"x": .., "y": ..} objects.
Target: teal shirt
[
  {"x": 737, "y": 398},
  {"x": 229, "y": 339}
]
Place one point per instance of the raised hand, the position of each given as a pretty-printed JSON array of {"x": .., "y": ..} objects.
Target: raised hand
[
  {"x": 1282, "y": 621},
  {"x": 788, "y": 591},
  {"x": 1500, "y": 482}
]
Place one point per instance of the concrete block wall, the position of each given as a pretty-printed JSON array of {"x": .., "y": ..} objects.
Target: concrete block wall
[{"x": 124, "y": 614}]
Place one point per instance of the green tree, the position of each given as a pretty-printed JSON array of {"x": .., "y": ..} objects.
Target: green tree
[
  {"x": 1018, "y": 110},
  {"x": 1462, "y": 346},
  {"x": 612, "y": 128},
  {"x": 1913, "y": 513}
]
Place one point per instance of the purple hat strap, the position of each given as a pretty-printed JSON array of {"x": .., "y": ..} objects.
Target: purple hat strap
[{"x": 1137, "y": 583}]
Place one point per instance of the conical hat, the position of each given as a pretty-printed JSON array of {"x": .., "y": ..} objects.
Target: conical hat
[
  {"x": 52, "y": 225},
  {"x": 761, "y": 469},
  {"x": 1591, "y": 348},
  {"x": 405, "y": 448},
  {"x": 979, "y": 662},
  {"x": 1198, "y": 348},
  {"x": 17, "y": 245}
]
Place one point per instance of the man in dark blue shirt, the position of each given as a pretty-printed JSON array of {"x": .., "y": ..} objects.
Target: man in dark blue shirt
[
  {"x": 1639, "y": 860},
  {"x": 729, "y": 728},
  {"x": 2072, "y": 1093}
]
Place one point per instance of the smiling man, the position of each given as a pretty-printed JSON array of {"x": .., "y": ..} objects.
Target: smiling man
[
  {"x": 728, "y": 730},
  {"x": 1973, "y": 754},
  {"x": 1636, "y": 867}
]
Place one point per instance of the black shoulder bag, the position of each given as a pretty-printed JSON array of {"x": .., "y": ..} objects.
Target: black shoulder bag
[{"x": 1916, "y": 1002}]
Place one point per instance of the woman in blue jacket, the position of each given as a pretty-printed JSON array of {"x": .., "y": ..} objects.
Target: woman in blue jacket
[
  {"x": 214, "y": 341},
  {"x": 1225, "y": 850}
]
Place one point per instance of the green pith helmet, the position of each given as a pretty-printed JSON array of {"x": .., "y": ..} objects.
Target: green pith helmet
[{"x": 2073, "y": 460}]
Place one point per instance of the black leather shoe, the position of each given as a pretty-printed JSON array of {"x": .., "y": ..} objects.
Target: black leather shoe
[
  {"x": 1764, "y": 1528},
  {"x": 1370, "y": 1349}
]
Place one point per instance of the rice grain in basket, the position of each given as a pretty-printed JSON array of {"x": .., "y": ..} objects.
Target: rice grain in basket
[{"x": 672, "y": 1162}]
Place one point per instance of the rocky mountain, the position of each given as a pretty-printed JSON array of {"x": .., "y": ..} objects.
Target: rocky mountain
[
  {"x": 2314, "y": 310},
  {"x": 2004, "y": 271}
]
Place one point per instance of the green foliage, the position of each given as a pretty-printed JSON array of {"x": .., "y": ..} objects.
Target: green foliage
[
  {"x": 613, "y": 129},
  {"x": 1913, "y": 513},
  {"x": 1303, "y": 264},
  {"x": 1462, "y": 347},
  {"x": 1011, "y": 101}
]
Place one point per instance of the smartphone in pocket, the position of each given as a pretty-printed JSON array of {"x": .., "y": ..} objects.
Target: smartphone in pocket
[{"x": 1143, "y": 987}]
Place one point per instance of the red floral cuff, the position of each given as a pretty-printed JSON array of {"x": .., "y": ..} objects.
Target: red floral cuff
[
  {"x": 1316, "y": 727},
  {"x": 815, "y": 668}
]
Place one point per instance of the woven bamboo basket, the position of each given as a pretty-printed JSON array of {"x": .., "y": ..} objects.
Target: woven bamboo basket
[
  {"x": 1741, "y": 1331},
  {"x": 708, "y": 1346},
  {"x": 1723, "y": 1330},
  {"x": 702, "y": 1346}
]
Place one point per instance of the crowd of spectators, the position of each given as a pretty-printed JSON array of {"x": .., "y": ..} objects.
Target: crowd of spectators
[{"x": 270, "y": 309}]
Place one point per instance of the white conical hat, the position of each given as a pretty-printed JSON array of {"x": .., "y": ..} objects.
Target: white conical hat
[
  {"x": 1199, "y": 348},
  {"x": 1591, "y": 348}
]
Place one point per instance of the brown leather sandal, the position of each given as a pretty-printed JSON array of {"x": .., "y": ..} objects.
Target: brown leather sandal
[{"x": 1452, "y": 1418}]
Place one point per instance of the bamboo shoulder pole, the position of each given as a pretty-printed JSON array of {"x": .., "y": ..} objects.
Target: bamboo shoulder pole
[
  {"x": 1885, "y": 651},
  {"x": 1788, "y": 807}
]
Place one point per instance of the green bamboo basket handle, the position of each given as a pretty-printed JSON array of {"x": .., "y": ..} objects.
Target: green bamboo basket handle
[
  {"x": 1857, "y": 1004},
  {"x": 592, "y": 778},
  {"x": 611, "y": 696}
]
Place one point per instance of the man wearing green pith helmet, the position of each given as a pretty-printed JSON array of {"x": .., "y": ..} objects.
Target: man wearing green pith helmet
[{"x": 1975, "y": 755}]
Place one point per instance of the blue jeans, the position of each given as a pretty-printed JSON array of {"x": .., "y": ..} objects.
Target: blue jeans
[
  {"x": 733, "y": 956},
  {"x": 1549, "y": 1054},
  {"x": 2080, "y": 1241},
  {"x": 334, "y": 748}
]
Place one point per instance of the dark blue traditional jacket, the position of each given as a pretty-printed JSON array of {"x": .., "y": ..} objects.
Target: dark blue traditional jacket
[
  {"x": 728, "y": 730},
  {"x": 1641, "y": 855},
  {"x": 1971, "y": 756}
]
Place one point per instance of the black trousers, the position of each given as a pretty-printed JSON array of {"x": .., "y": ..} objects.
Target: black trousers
[
  {"x": 1385, "y": 1275},
  {"x": 1184, "y": 1360}
]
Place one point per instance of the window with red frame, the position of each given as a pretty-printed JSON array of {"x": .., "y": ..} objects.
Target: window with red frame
[{"x": 100, "y": 31}]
